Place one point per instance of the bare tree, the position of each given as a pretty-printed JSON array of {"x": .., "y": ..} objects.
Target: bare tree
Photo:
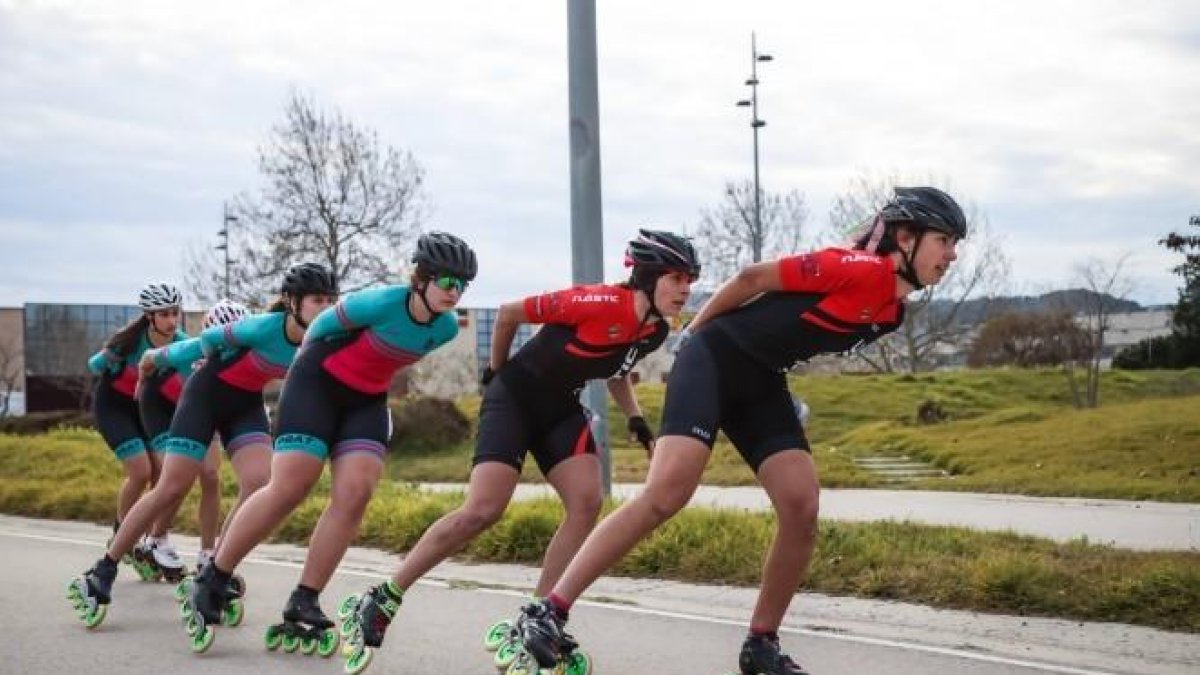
[
  {"x": 332, "y": 194},
  {"x": 1107, "y": 285},
  {"x": 1028, "y": 340},
  {"x": 729, "y": 238},
  {"x": 10, "y": 374},
  {"x": 933, "y": 320}
]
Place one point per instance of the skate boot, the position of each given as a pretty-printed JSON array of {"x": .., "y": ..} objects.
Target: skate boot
[
  {"x": 762, "y": 655},
  {"x": 143, "y": 561},
  {"x": 545, "y": 644},
  {"x": 167, "y": 560},
  {"x": 304, "y": 626},
  {"x": 184, "y": 587},
  {"x": 365, "y": 618},
  {"x": 211, "y": 602},
  {"x": 91, "y": 592},
  {"x": 237, "y": 585}
]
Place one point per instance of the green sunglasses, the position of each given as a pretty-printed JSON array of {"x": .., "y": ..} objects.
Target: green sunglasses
[{"x": 448, "y": 282}]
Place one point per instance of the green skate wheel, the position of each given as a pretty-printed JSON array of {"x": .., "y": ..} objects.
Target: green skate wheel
[
  {"x": 506, "y": 654},
  {"x": 290, "y": 643},
  {"x": 524, "y": 665},
  {"x": 93, "y": 618},
  {"x": 185, "y": 608},
  {"x": 348, "y": 606},
  {"x": 308, "y": 646},
  {"x": 349, "y": 627},
  {"x": 203, "y": 639},
  {"x": 497, "y": 635},
  {"x": 234, "y": 612},
  {"x": 359, "y": 660},
  {"x": 192, "y": 624},
  {"x": 328, "y": 643},
  {"x": 273, "y": 638},
  {"x": 183, "y": 589},
  {"x": 576, "y": 663}
]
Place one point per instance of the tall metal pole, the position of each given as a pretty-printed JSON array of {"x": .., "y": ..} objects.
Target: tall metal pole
[
  {"x": 226, "y": 219},
  {"x": 758, "y": 233},
  {"x": 756, "y": 236},
  {"x": 587, "y": 226}
]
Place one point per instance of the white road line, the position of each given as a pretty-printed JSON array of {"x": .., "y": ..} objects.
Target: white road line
[{"x": 699, "y": 618}]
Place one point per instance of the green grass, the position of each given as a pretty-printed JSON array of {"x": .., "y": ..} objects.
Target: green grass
[
  {"x": 1008, "y": 431},
  {"x": 64, "y": 475}
]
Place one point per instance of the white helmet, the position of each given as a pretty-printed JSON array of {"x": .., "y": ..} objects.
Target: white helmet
[
  {"x": 159, "y": 296},
  {"x": 225, "y": 311}
]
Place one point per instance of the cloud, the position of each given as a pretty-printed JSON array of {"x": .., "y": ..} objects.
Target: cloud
[{"x": 133, "y": 121}]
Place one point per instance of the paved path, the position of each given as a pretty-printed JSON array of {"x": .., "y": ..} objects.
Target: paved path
[{"x": 1125, "y": 524}]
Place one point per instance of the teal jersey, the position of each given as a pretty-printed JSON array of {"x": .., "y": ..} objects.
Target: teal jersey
[
  {"x": 123, "y": 370},
  {"x": 252, "y": 351},
  {"x": 385, "y": 339}
]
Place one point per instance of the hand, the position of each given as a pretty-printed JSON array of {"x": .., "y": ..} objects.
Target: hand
[
  {"x": 146, "y": 366},
  {"x": 488, "y": 374},
  {"x": 684, "y": 335},
  {"x": 641, "y": 430}
]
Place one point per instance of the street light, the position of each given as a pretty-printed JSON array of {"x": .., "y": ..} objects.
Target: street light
[
  {"x": 756, "y": 237},
  {"x": 224, "y": 245}
]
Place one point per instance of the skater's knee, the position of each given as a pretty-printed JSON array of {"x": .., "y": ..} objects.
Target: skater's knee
[
  {"x": 664, "y": 502},
  {"x": 210, "y": 479},
  {"x": 798, "y": 512},
  {"x": 475, "y": 518},
  {"x": 138, "y": 474},
  {"x": 250, "y": 482},
  {"x": 584, "y": 506},
  {"x": 352, "y": 499},
  {"x": 281, "y": 492}
]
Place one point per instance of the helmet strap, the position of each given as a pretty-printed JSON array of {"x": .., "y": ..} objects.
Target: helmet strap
[
  {"x": 424, "y": 300},
  {"x": 908, "y": 270},
  {"x": 294, "y": 310},
  {"x": 153, "y": 321}
]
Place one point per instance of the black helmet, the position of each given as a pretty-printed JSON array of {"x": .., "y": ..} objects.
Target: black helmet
[
  {"x": 927, "y": 208},
  {"x": 309, "y": 279},
  {"x": 662, "y": 251},
  {"x": 444, "y": 253}
]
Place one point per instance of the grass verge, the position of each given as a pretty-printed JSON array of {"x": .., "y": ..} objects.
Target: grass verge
[{"x": 65, "y": 475}]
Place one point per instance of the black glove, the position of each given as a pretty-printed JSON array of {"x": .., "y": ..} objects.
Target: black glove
[
  {"x": 487, "y": 376},
  {"x": 639, "y": 428}
]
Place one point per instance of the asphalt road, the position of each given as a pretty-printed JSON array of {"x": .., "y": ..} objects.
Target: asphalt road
[{"x": 437, "y": 631}]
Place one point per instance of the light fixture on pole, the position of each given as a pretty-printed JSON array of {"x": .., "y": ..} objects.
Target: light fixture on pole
[
  {"x": 224, "y": 245},
  {"x": 756, "y": 236}
]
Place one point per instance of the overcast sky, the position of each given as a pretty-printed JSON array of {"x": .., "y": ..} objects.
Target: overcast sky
[{"x": 1074, "y": 125}]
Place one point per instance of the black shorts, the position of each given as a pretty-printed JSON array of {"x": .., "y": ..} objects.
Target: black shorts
[
  {"x": 156, "y": 410},
  {"x": 210, "y": 405},
  {"x": 322, "y": 416},
  {"x": 716, "y": 386},
  {"x": 553, "y": 429},
  {"x": 118, "y": 420}
]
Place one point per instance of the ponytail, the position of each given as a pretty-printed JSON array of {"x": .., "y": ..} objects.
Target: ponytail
[{"x": 124, "y": 341}]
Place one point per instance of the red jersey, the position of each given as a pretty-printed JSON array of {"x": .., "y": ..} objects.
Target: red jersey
[
  {"x": 832, "y": 301},
  {"x": 591, "y": 332}
]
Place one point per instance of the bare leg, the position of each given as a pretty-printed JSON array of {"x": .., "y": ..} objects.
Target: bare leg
[
  {"x": 675, "y": 472},
  {"x": 490, "y": 489},
  {"x": 354, "y": 479},
  {"x": 577, "y": 481},
  {"x": 790, "y": 479},
  {"x": 179, "y": 472},
  {"x": 292, "y": 475},
  {"x": 210, "y": 498},
  {"x": 137, "y": 477}
]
